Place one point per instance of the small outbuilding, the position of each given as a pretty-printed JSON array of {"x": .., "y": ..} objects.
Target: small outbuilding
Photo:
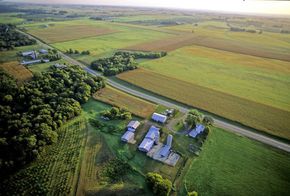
[
  {"x": 159, "y": 118},
  {"x": 198, "y": 129},
  {"x": 146, "y": 145},
  {"x": 43, "y": 51},
  {"x": 165, "y": 150},
  {"x": 128, "y": 136},
  {"x": 133, "y": 125}
]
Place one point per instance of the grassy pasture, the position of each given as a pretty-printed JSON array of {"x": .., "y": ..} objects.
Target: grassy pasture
[
  {"x": 261, "y": 80},
  {"x": 253, "y": 114},
  {"x": 20, "y": 72},
  {"x": 56, "y": 171},
  {"x": 59, "y": 33},
  {"x": 135, "y": 105},
  {"x": 234, "y": 165}
]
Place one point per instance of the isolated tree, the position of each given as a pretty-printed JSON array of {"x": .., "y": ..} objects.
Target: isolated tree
[
  {"x": 158, "y": 184},
  {"x": 208, "y": 121},
  {"x": 192, "y": 193}
]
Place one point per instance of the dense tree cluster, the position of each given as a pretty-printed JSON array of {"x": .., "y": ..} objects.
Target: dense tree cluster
[
  {"x": 115, "y": 64},
  {"x": 31, "y": 113},
  {"x": 122, "y": 61},
  {"x": 10, "y": 38},
  {"x": 115, "y": 113},
  {"x": 194, "y": 117},
  {"x": 159, "y": 185}
]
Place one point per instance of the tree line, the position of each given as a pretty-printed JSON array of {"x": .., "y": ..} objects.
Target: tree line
[
  {"x": 71, "y": 51},
  {"x": 10, "y": 38},
  {"x": 122, "y": 61},
  {"x": 32, "y": 112}
]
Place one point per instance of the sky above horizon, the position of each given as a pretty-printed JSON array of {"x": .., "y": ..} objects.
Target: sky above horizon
[{"x": 247, "y": 6}]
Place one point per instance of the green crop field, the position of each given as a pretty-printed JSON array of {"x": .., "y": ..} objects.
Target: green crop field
[
  {"x": 234, "y": 165},
  {"x": 57, "y": 169},
  {"x": 260, "y": 116},
  {"x": 258, "y": 79}
]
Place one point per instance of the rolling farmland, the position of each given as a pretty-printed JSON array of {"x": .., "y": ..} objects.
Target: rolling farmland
[
  {"x": 120, "y": 99},
  {"x": 256, "y": 115},
  {"x": 20, "y": 72},
  {"x": 233, "y": 165}
]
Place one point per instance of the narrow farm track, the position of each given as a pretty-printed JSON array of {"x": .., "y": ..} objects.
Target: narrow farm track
[{"x": 217, "y": 122}]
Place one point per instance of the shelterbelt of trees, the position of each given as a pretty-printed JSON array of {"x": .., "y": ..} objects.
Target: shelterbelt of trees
[
  {"x": 123, "y": 61},
  {"x": 10, "y": 38},
  {"x": 31, "y": 113}
]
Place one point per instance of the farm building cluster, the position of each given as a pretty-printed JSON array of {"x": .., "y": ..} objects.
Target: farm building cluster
[
  {"x": 33, "y": 57},
  {"x": 150, "y": 143}
]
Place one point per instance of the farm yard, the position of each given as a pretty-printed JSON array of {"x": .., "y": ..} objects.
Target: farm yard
[
  {"x": 120, "y": 99},
  {"x": 262, "y": 117},
  {"x": 14, "y": 68},
  {"x": 57, "y": 169}
]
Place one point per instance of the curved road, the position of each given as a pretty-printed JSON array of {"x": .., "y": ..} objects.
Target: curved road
[{"x": 218, "y": 123}]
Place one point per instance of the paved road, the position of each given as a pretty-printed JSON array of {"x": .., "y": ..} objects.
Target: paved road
[{"x": 218, "y": 123}]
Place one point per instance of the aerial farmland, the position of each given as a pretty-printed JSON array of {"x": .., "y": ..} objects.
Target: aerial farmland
[{"x": 208, "y": 92}]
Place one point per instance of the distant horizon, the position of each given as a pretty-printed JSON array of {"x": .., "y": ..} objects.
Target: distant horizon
[{"x": 228, "y": 6}]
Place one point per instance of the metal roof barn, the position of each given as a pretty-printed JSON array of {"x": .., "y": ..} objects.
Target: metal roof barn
[
  {"x": 146, "y": 145},
  {"x": 127, "y": 136},
  {"x": 159, "y": 117}
]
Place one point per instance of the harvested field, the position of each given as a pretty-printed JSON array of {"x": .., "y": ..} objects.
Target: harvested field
[
  {"x": 63, "y": 33},
  {"x": 262, "y": 117},
  {"x": 20, "y": 72},
  {"x": 117, "y": 98}
]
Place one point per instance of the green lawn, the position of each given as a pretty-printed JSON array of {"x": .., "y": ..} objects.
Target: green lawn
[
  {"x": 234, "y": 165},
  {"x": 261, "y": 80}
]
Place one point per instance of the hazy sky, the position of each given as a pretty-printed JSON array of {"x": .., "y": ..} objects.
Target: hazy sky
[{"x": 250, "y": 6}]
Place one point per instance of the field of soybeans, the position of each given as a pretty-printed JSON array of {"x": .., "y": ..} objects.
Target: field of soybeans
[{"x": 260, "y": 116}]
